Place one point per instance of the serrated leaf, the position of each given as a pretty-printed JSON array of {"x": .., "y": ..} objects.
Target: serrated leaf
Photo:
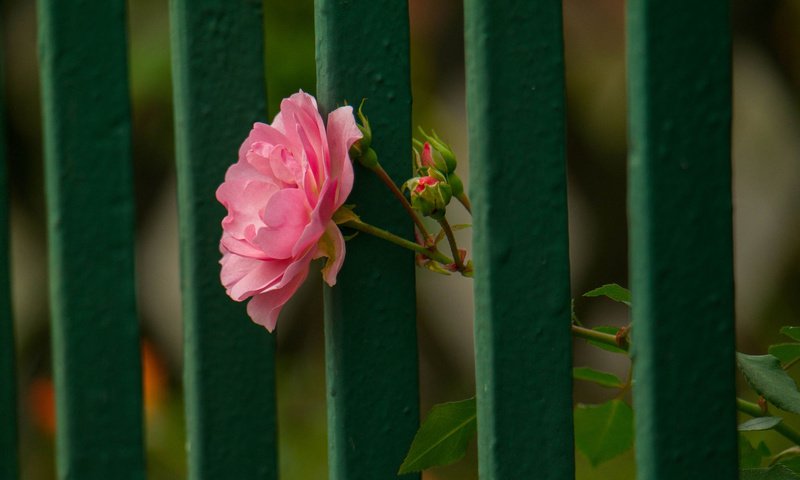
[
  {"x": 605, "y": 346},
  {"x": 785, "y": 352},
  {"x": 603, "y": 431},
  {"x": 443, "y": 436},
  {"x": 759, "y": 423},
  {"x": 791, "y": 332},
  {"x": 765, "y": 375},
  {"x": 775, "y": 472},
  {"x": 603, "y": 379},
  {"x": 612, "y": 291}
]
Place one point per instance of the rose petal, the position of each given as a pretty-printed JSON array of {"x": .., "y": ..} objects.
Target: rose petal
[
  {"x": 262, "y": 132},
  {"x": 244, "y": 200},
  {"x": 264, "y": 308},
  {"x": 342, "y": 133},
  {"x": 280, "y": 195},
  {"x": 304, "y": 128},
  {"x": 285, "y": 217},
  {"x": 318, "y": 219},
  {"x": 331, "y": 245},
  {"x": 258, "y": 275}
]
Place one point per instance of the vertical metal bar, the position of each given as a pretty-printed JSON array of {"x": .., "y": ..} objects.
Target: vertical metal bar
[
  {"x": 371, "y": 350},
  {"x": 82, "y": 48},
  {"x": 229, "y": 373},
  {"x": 9, "y": 462},
  {"x": 515, "y": 105},
  {"x": 679, "y": 64}
]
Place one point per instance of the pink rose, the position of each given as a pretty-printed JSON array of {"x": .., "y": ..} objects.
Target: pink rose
[{"x": 290, "y": 178}]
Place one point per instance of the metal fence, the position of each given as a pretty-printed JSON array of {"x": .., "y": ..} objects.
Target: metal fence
[{"x": 681, "y": 249}]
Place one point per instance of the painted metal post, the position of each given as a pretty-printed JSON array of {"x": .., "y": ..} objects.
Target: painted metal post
[
  {"x": 82, "y": 48},
  {"x": 229, "y": 372},
  {"x": 370, "y": 328},
  {"x": 515, "y": 106},
  {"x": 9, "y": 462},
  {"x": 679, "y": 67}
]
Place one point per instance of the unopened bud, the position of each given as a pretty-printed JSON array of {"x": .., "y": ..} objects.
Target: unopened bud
[
  {"x": 426, "y": 157},
  {"x": 455, "y": 184},
  {"x": 447, "y": 163},
  {"x": 430, "y": 196},
  {"x": 360, "y": 150}
]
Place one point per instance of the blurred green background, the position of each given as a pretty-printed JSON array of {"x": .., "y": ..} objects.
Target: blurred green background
[{"x": 766, "y": 149}]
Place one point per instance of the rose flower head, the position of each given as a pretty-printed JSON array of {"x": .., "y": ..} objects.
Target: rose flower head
[{"x": 290, "y": 178}]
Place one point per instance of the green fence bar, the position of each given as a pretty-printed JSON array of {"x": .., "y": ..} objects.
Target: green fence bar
[
  {"x": 679, "y": 64},
  {"x": 515, "y": 105},
  {"x": 82, "y": 48},
  {"x": 229, "y": 372},
  {"x": 370, "y": 329},
  {"x": 9, "y": 464}
]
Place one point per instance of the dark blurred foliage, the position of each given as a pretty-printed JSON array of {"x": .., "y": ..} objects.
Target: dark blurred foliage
[{"x": 767, "y": 194}]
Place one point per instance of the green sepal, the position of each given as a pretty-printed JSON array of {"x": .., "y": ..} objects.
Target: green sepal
[{"x": 345, "y": 214}]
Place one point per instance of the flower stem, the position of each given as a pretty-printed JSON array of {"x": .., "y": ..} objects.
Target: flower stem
[
  {"x": 755, "y": 411},
  {"x": 601, "y": 337},
  {"x": 451, "y": 239},
  {"x": 381, "y": 173},
  {"x": 743, "y": 406},
  {"x": 400, "y": 241}
]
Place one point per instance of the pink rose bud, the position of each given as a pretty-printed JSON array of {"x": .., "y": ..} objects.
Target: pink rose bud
[
  {"x": 290, "y": 178},
  {"x": 426, "y": 157},
  {"x": 425, "y": 182},
  {"x": 429, "y": 196},
  {"x": 443, "y": 157}
]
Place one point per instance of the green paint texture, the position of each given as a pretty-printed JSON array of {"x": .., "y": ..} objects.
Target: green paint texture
[
  {"x": 229, "y": 371},
  {"x": 90, "y": 220},
  {"x": 679, "y": 67},
  {"x": 9, "y": 462},
  {"x": 515, "y": 109},
  {"x": 370, "y": 329}
]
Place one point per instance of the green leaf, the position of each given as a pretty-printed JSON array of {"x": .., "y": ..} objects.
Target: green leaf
[
  {"x": 603, "y": 431},
  {"x": 775, "y": 472},
  {"x": 786, "y": 352},
  {"x": 759, "y": 423},
  {"x": 765, "y": 376},
  {"x": 749, "y": 456},
  {"x": 792, "y": 463},
  {"x": 612, "y": 291},
  {"x": 443, "y": 436},
  {"x": 601, "y": 378},
  {"x": 792, "y": 332},
  {"x": 604, "y": 346}
]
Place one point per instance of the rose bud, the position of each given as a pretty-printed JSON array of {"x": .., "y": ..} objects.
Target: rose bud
[
  {"x": 447, "y": 162},
  {"x": 430, "y": 196}
]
